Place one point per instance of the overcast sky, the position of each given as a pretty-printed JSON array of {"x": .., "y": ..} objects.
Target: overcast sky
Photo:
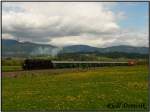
[{"x": 98, "y": 24}]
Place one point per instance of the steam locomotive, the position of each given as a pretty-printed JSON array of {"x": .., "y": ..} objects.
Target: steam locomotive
[{"x": 32, "y": 64}]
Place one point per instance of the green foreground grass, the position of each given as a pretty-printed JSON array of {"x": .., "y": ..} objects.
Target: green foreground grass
[{"x": 80, "y": 90}]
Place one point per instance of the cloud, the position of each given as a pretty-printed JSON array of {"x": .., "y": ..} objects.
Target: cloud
[
  {"x": 63, "y": 24},
  {"x": 131, "y": 37},
  {"x": 127, "y": 37}
]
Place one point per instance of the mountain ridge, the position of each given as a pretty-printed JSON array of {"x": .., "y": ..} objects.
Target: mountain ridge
[{"x": 13, "y": 47}]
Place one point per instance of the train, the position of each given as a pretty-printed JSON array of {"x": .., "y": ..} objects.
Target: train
[{"x": 32, "y": 64}]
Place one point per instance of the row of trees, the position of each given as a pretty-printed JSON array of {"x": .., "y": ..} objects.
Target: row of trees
[{"x": 101, "y": 56}]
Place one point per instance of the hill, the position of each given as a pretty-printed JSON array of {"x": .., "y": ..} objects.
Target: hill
[
  {"x": 15, "y": 48},
  {"x": 121, "y": 48},
  {"x": 12, "y": 48}
]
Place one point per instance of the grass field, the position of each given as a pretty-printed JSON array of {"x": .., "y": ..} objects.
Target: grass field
[
  {"x": 11, "y": 68},
  {"x": 75, "y": 90}
]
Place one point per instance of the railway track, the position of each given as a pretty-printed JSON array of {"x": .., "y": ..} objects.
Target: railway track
[{"x": 51, "y": 71}]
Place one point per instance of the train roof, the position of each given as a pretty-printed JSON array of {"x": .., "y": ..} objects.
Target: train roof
[
  {"x": 85, "y": 62},
  {"x": 30, "y": 60}
]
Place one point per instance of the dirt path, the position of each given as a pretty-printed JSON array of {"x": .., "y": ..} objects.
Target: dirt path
[{"x": 51, "y": 71}]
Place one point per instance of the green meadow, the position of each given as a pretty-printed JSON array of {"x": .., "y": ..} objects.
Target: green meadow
[
  {"x": 92, "y": 89},
  {"x": 11, "y": 68}
]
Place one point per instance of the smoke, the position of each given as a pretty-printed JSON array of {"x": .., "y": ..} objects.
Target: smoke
[{"x": 46, "y": 51}]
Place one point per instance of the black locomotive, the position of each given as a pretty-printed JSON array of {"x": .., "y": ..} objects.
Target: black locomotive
[{"x": 31, "y": 64}]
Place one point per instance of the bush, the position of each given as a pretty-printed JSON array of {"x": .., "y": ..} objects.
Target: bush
[{"x": 12, "y": 62}]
